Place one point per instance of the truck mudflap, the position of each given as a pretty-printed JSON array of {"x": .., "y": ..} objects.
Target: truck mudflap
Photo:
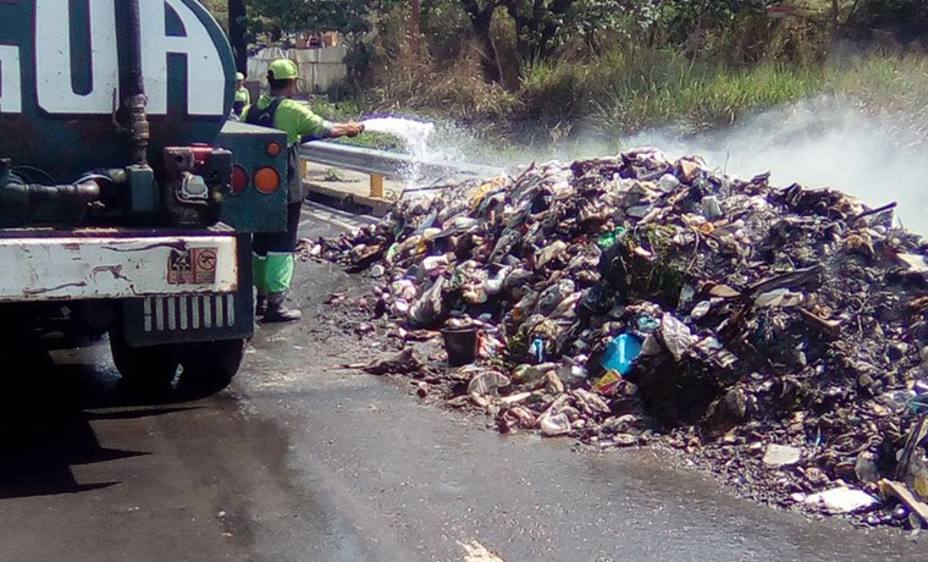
[
  {"x": 100, "y": 266},
  {"x": 179, "y": 318}
]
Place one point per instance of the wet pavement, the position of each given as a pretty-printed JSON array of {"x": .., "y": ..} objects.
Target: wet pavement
[{"x": 300, "y": 460}]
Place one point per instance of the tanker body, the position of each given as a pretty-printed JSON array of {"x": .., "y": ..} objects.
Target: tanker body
[{"x": 127, "y": 200}]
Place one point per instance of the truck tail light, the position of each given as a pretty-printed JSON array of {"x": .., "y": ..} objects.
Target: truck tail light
[
  {"x": 267, "y": 180},
  {"x": 239, "y": 179}
]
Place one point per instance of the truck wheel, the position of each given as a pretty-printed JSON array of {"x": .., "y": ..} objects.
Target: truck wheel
[
  {"x": 211, "y": 365},
  {"x": 154, "y": 366}
]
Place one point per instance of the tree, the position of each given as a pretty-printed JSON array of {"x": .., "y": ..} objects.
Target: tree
[
  {"x": 536, "y": 21},
  {"x": 415, "y": 27},
  {"x": 537, "y": 24},
  {"x": 237, "y": 22},
  {"x": 290, "y": 16},
  {"x": 906, "y": 19},
  {"x": 481, "y": 13}
]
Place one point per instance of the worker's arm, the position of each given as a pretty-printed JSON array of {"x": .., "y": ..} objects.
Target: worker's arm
[
  {"x": 306, "y": 126},
  {"x": 335, "y": 130},
  {"x": 350, "y": 129}
]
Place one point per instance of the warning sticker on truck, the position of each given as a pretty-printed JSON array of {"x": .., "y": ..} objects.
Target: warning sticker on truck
[{"x": 193, "y": 266}]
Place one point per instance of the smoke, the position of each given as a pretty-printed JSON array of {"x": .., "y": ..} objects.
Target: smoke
[{"x": 825, "y": 142}]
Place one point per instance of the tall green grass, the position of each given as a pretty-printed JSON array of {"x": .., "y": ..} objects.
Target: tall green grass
[
  {"x": 883, "y": 82},
  {"x": 627, "y": 91}
]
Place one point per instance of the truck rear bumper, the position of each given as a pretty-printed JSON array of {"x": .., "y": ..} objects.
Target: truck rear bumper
[{"x": 64, "y": 268}]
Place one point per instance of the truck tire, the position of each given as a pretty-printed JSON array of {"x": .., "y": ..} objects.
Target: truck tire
[
  {"x": 211, "y": 365},
  {"x": 152, "y": 366}
]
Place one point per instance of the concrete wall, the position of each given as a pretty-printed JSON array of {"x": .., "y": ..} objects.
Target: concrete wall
[{"x": 320, "y": 68}]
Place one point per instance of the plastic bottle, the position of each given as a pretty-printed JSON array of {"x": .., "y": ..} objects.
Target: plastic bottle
[{"x": 621, "y": 353}]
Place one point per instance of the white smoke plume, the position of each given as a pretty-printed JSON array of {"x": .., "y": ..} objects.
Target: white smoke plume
[{"x": 821, "y": 143}]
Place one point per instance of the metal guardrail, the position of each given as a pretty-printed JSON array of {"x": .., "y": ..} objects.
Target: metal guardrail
[{"x": 380, "y": 164}]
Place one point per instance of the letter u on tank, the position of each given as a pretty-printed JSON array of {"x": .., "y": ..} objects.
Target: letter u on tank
[{"x": 55, "y": 74}]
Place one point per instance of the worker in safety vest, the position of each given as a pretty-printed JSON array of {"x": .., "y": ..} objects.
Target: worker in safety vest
[
  {"x": 273, "y": 259},
  {"x": 242, "y": 97}
]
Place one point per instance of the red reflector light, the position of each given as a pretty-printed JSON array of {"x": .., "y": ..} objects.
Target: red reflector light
[
  {"x": 239, "y": 179},
  {"x": 273, "y": 148},
  {"x": 267, "y": 180}
]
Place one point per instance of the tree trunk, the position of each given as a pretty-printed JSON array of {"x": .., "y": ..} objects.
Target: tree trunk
[
  {"x": 415, "y": 28},
  {"x": 537, "y": 28},
  {"x": 237, "y": 34},
  {"x": 835, "y": 12},
  {"x": 481, "y": 20}
]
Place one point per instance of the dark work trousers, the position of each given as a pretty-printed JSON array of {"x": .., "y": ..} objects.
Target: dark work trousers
[{"x": 280, "y": 242}]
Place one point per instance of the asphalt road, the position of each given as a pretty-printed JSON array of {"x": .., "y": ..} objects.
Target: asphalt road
[{"x": 300, "y": 460}]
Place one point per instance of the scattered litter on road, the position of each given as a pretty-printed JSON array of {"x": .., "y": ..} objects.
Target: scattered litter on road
[
  {"x": 476, "y": 552},
  {"x": 405, "y": 362},
  {"x": 775, "y": 336}
]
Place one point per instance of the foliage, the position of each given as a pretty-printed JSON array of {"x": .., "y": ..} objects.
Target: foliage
[
  {"x": 456, "y": 90},
  {"x": 908, "y": 19},
  {"x": 291, "y": 16},
  {"x": 537, "y": 24}
]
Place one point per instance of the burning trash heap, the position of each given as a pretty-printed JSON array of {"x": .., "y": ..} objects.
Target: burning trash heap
[{"x": 776, "y": 335}]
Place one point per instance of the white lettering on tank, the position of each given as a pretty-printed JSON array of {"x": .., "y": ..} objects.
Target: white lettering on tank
[
  {"x": 53, "y": 58},
  {"x": 205, "y": 76},
  {"x": 11, "y": 96}
]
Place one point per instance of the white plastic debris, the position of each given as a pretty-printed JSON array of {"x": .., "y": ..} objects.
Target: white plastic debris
[
  {"x": 555, "y": 424},
  {"x": 668, "y": 183},
  {"x": 779, "y": 298},
  {"x": 711, "y": 208},
  {"x": 781, "y": 455},
  {"x": 915, "y": 262},
  {"x": 842, "y": 500},
  {"x": 677, "y": 336}
]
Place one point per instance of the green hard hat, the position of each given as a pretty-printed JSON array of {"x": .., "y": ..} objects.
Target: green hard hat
[
  {"x": 283, "y": 69},
  {"x": 239, "y": 76}
]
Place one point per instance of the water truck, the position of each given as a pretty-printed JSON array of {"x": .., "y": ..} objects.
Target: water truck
[{"x": 127, "y": 199}]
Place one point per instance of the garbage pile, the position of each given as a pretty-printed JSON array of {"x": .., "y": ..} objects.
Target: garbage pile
[{"x": 775, "y": 335}]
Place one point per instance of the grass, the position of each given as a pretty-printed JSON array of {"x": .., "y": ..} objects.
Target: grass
[
  {"x": 625, "y": 92},
  {"x": 628, "y": 91},
  {"x": 884, "y": 82}
]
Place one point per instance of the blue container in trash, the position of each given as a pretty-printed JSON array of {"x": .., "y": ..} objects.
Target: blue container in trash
[{"x": 621, "y": 353}]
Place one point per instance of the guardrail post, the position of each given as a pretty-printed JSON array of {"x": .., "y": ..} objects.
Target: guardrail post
[
  {"x": 304, "y": 168},
  {"x": 377, "y": 186}
]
